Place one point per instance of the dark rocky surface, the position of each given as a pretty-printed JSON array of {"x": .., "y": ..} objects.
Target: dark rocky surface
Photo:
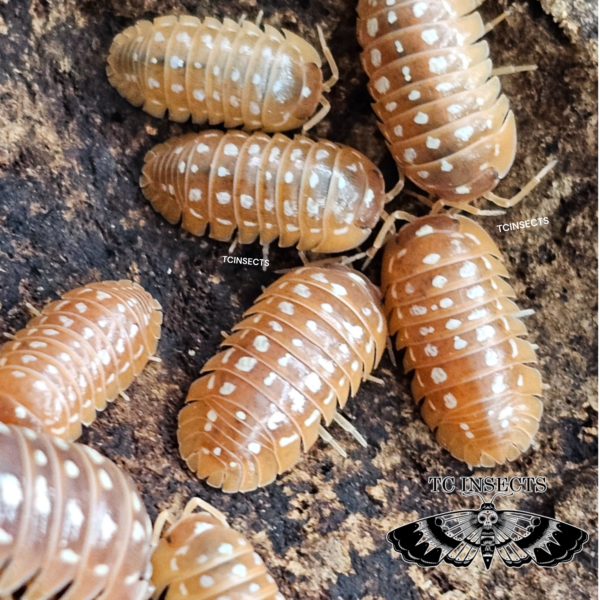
[{"x": 71, "y": 150}]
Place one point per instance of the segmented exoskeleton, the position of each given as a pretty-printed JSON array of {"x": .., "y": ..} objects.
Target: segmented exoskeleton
[
  {"x": 318, "y": 196},
  {"x": 448, "y": 304},
  {"x": 199, "y": 556},
  {"x": 78, "y": 354},
  {"x": 446, "y": 123},
  {"x": 72, "y": 525},
  {"x": 228, "y": 73},
  {"x": 304, "y": 346}
]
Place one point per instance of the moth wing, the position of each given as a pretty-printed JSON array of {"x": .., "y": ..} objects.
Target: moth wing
[
  {"x": 448, "y": 536},
  {"x": 545, "y": 541}
]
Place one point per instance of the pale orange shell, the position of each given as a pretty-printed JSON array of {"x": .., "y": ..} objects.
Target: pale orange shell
[
  {"x": 301, "y": 350},
  {"x": 318, "y": 196},
  {"x": 217, "y": 72},
  {"x": 449, "y": 306},
  {"x": 200, "y": 557},
  {"x": 446, "y": 124},
  {"x": 78, "y": 355},
  {"x": 69, "y": 518}
]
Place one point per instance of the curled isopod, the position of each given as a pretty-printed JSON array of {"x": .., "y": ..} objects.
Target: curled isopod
[
  {"x": 449, "y": 305},
  {"x": 230, "y": 73},
  {"x": 72, "y": 525},
  {"x": 301, "y": 350},
  {"x": 446, "y": 122},
  {"x": 78, "y": 354},
  {"x": 199, "y": 556},
  {"x": 318, "y": 196}
]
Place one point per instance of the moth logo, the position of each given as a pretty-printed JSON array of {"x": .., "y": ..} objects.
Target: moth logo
[{"x": 517, "y": 537}]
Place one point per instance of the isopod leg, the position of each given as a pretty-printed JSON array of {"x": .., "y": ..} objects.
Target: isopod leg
[
  {"x": 328, "y": 438},
  {"x": 511, "y": 69},
  {"x": 501, "y": 17},
  {"x": 319, "y": 116},
  {"x": 259, "y": 18},
  {"x": 426, "y": 200},
  {"x": 195, "y": 503},
  {"x": 234, "y": 244},
  {"x": 33, "y": 310},
  {"x": 335, "y": 72},
  {"x": 390, "y": 348},
  {"x": 396, "y": 189},
  {"x": 440, "y": 204},
  {"x": 347, "y": 426},
  {"x": 531, "y": 185},
  {"x": 383, "y": 233},
  {"x": 265, "y": 256},
  {"x": 164, "y": 518}
]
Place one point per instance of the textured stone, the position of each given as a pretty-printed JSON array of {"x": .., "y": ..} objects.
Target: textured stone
[{"x": 71, "y": 151}]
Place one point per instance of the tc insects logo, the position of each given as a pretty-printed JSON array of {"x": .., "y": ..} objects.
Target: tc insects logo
[{"x": 517, "y": 537}]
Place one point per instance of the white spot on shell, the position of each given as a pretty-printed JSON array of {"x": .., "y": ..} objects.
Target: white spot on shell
[
  {"x": 430, "y": 36},
  {"x": 438, "y": 375},
  {"x": 450, "y": 401},
  {"x": 421, "y": 118},
  {"x": 419, "y": 9}
]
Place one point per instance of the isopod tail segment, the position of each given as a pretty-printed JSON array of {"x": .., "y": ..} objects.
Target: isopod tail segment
[
  {"x": 304, "y": 347},
  {"x": 201, "y": 556},
  {"x": 450, "y": 307},
  {"x": 326, "y": 86}
]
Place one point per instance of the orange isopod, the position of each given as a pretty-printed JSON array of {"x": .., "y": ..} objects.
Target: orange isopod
[
  {"x": 78, "y": 354},
  {"x": 304, "y": 346},
  {"x": 445, "y": 120},
  {"x": 448, "y": 304},
  {"x": 227, "y": 72},
  {"x": 72, "y": 525},
  {"x": 199, "y": 556},
  {"x": 319, "y": 196}
]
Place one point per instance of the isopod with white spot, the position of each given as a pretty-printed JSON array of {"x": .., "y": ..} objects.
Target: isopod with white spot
[
  {"x": 200, "y": 556},
  {"x": 79, "y": 353},
  {"x": 317, "y": 196},
  {"x": 221, "y": 72},
  {"x": 63, "y": 534},
  {"x": 465, "y": 341},
  {"x": 442, "y": 113},
  {"x": 311, "y": 343}
]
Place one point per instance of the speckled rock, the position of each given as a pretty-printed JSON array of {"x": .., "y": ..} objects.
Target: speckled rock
[{"x": 71, "y": 150}]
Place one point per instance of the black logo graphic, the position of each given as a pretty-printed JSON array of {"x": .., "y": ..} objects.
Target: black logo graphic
[{"x": 517, "y": 537}]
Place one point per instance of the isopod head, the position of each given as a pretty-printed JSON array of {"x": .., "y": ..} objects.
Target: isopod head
[{"x": 360, "y": 186}]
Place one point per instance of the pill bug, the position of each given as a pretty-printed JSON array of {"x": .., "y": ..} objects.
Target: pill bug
[
  {"x": 72, "y": 525},
  {"x": 227, "y": 72},
  {"x": 301, "y": 349},
  {"x": 78, "y": 354},
  {"x": 199, "y": 556},
  {"x": 449, "y": 305},
  {"x": 445, "y": 121},
  {"x": 319, "y": 196}
]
